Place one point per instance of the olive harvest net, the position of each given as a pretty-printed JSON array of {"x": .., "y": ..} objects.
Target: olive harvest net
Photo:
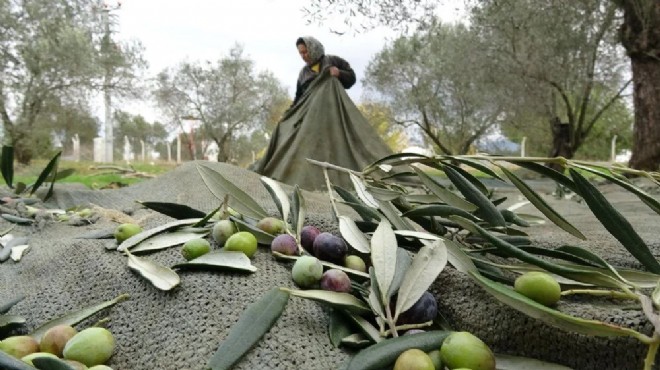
[{"x": 182, "y": 328}]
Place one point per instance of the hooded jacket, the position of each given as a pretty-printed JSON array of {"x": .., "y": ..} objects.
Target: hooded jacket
[{"x": 317, "y": 54}]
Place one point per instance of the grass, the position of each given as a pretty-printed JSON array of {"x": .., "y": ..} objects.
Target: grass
[{"x": 90, "y": 175}]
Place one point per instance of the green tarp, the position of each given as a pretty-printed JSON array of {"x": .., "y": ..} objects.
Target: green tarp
[{"x": 325, "y": 125}]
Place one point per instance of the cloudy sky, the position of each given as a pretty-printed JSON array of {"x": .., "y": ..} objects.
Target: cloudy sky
[{"x": 199, "y": 30}]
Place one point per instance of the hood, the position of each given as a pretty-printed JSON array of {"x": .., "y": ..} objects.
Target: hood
[{"x": 314, "y": 48}]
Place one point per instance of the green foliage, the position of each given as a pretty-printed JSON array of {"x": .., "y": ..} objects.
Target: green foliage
[
  {"x": 137, "y": 129},
  {"x": 366, "y": 14},
  {"x": 48, "y": 174},
  {"x": 436, "y": 81},
  {"x": 381, "y": 118},
  {"x": 54, "y": 54},
  {"x": 227, "y": 99},
  {"x": 555, "y": 60}
]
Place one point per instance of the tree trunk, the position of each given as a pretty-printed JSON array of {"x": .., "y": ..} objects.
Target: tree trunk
[
  {"x": 561, "y": 142},
  {"x": 640, "y": 35},
  {"x": 646, "y": 97}
]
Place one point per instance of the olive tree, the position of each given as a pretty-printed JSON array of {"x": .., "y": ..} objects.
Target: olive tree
[
  {"x": 640, "y": 35},
  {"x": 638, "y": 31},
  {"x": 56, "y": 50},
  {"x": 435, "y": 81},
  {"x": 557, "y": 59},
  {"x": 228, "y": 98}
]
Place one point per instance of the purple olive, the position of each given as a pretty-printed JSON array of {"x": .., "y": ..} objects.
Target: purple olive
[
  {"x": 425, "y": 309},
  {"x": 330, "y": 248},
  {"x": 307, "y": 236},
  {"x": 336, "y": 280},
  {"x": 285, "y": 244}
]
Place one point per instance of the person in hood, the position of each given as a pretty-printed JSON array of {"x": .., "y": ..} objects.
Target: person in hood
[
  {"x": 323, "y": 124},
  {"x": 313, "y": 53}
]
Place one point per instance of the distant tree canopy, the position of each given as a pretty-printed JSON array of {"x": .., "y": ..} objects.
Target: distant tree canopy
[
  {"x": 558, "y": 61},
  {"x": 137, "y": 130},
  {"x": 436, "y": 82},
  {"x": 380, "y": 117},
  {"x": 56, "y": 51},
  {"x": 228, "y": 98},
  {"x": 553, "y": 55}
]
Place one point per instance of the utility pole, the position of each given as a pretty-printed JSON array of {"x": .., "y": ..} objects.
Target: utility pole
[{"x": 107, "y": 44}]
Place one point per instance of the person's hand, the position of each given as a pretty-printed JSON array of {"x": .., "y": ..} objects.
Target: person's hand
[{"x": 334, "y": 71}]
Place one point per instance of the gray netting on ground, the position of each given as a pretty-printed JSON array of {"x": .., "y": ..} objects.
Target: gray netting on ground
[{"x": 183, "y": 328}]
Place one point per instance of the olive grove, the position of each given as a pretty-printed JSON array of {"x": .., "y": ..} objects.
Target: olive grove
[
  {"x": 228, "y": 98},
  {"x": 54, "y": 55},
  {"x": 563, "y": 64}
]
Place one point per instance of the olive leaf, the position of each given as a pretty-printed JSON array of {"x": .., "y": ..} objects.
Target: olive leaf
[
  {"x": 254, "y": 323},
  {"x": 384, "y": 354},
  {"x": 17, "y": 219},
  {"x": 219, "y": 186},
  {"x": 444, "y": 194},
  {"x": 417, "y": 234},
  {"x": 383, "y": 194},
  {"x": 18, "y": 251},
  {"x": 160, "y": 276},
  {"x": 574, "y": 273},
  {"x": 262, "y": 236},
  {"x": 392, "y": 214},
  {"x": 615, "y": 223},
  {"x": 338, "y": 328},
  {"x": 51, "y": 363},
  {"x": 589, "y": 256},
  {"x": 440, "y": 210},
  {"x": 357, "y": 340},
  {"x": 280, "y": 198},
  {"x": 479, "y": 166},
  {"x": 383, "y": 256},
  {"x": 547, "y": 172},
  {"x": 548, "y": 315},
  {"x": 74, "y": 317},
  {"x": 352, "y": 234},
  {"x": 5, "y": 307},
  {"x": 7, "y": 321},
  {"x": 467, "y": 176},
  {"x": 334, "y": 299},
  {"x": 207, "y": 217},
  {"x": 396, "y": 159},
  {"x": 374, "y": 297},
  {"x": 642, "y": 195},
  {"x": 8, "y": 362},
  {"x": 146, "y": 234},
  {"x": 224, "y": 260},
  {"x": 425, "y": 268},
  {"x": 365, "y": 327},
  {"x": 49, "y": 172},
  {"x": 655, "y": 296},
  {"x": 422, "y": 198},
  {"x": 174, "y": 210},
  {"x": 508, "y": 362},
  {"x": 487, "y": 209},
  {"x": 367, "y": 213},
  {"x": 297, "y": 211},
  {"x": 542, "y": 205},
  {"x": 362, "y": 192},
  {"x": 7, "y": 165},
  {"x": 167, "y": 240},
  {"x": 403, "y": 261},
  {"x": 98, "y": 234}
]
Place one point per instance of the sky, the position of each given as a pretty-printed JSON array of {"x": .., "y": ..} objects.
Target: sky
[{"x": 200, "y": 30}]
